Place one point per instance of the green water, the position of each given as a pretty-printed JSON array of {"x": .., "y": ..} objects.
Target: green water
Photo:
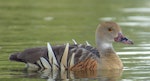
[{"x": 31, "y": 23}]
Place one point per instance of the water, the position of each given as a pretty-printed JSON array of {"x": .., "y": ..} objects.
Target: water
[{"x": 26, "y": 24}]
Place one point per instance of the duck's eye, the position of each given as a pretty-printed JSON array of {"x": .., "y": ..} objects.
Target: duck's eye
[{"x": 109, "y": 29}]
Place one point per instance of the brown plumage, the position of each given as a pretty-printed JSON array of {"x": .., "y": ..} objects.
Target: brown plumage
[
  {"x": 87, "y": 64},
  {"x": 84, "y": 57}
]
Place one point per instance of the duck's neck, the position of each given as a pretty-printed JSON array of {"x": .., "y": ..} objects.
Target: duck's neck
[
  {"x": 108, "y": 58},
  {"x": 104, "y": 47}
]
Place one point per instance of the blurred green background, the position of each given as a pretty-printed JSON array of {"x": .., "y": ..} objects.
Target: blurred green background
[{"x": 31, "y": 23}]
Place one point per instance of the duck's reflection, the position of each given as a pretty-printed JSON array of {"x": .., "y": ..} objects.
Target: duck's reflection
[{"x": 104, "y": 75}]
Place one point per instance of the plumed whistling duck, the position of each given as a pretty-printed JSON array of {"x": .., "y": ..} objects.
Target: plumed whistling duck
[{"x": 78, "y": 56}]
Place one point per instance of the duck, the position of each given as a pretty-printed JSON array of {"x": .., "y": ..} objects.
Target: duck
[{"x": 76, "y": 57}]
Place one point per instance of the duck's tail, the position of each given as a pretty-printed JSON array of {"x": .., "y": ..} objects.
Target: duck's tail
[{"x": 14, "y": 57}]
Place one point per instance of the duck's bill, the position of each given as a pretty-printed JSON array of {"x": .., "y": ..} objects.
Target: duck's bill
[{"x": 122, "y": 39}]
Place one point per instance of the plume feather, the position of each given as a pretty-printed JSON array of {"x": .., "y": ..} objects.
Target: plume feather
[
  {"x": 72, "y": 60},
  {"x": 87, "y": 43},
  {"x": 74, "y": 42},
  {"x": 45, "y": 63},
  {"x": 52, "y": 58},
  {"x": 64, "y": 57}
]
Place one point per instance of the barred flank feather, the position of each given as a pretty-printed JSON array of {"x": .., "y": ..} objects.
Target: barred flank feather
[
  {"x": 71, "y": 64},
  {"x": 72, "y": 58},
  {"x": 64, "y": 62},
  {"x": 52, "y": 57},
  {"x": 45, "y": 63}
]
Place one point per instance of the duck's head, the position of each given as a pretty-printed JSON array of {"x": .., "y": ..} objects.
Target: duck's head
[{"x": 107, "y": 32}]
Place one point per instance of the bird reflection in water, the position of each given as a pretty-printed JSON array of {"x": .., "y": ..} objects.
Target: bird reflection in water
[{"x": 104, "y": 75}]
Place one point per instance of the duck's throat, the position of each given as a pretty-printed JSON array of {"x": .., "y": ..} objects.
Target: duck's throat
[{"x": 105, "y": 48}]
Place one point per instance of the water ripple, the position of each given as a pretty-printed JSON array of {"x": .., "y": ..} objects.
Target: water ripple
[
  {"x": 133, "y": 21},
  {"x": 144, "y": 45},
  {"x": 136, "y": 10},
  {"x": 133, "y": 52},
  {"x": 107, "y": 18},
  {"x": 138, "y": 18},
  {"x": 137, "y": 48},
  {"x": 48, "y": 18},
  {"x": 134, "y": 24}
]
